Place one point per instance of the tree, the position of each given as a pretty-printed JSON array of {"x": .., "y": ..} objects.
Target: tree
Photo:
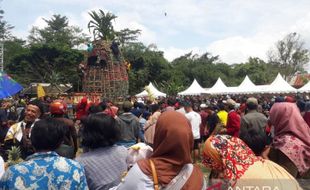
[
  {"x": 5, "y": 28},
  {"x": 290, "y": 54},
  {"x": 258, "y": 71},
  {"x": 102, "y": 28},
  {"x": 57, "y": 32},
  {"x": 126, "y": 36},
  {"x": 101, "y": 25},
  {"x": 147, "y": 65},
  {"x": 12, "y": 48},
  {"x": 46, "y": 63}
]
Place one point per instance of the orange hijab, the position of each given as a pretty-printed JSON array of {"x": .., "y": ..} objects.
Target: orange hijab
[
  {"x": 173, "y": 142},
  {"x": 229, "y": 156}
]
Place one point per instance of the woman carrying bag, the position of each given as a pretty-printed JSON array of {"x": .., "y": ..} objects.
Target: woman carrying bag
[{"x": 170, "y": 166}]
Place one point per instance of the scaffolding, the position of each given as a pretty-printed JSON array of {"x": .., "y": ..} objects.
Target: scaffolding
[
  {"x": 1, "y": 55},
  {"x": 112, "y": 79}
]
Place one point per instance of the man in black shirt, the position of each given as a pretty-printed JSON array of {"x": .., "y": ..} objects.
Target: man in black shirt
[{"x": 212, "y": 119}]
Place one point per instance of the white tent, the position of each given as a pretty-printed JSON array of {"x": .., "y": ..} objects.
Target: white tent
[
  {"x": 218, "y": 88},
  {"x": 305, "y": 88},
  {"x": 247, "y": 87},
  {"x": 262, "y": 88},
  {"x": 194, "y": 89},
  {"x": 232, "y": 90},
  {"x": 279, "y": 85},
  {"x": 156, "y": 93}
]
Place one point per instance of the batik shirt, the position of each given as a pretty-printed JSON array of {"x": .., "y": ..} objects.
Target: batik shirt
[{"x": 45, "y": 171}]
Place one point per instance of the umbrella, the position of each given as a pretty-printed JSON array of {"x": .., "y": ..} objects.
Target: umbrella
[{"x": 8, "y": 86}]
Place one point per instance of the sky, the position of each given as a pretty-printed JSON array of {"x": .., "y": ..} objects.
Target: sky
[{"x": 232, "y": 29}]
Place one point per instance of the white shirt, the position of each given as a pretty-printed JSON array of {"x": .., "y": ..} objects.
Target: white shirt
[
  {"x": 195, "y": 120},
  {"x": 1, "y": 167},
  {"x": 135, "y": 179}
]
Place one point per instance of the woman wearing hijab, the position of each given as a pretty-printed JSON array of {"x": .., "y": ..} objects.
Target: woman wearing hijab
[
  {"x": 236, "y": 167},
  {"x": 173, "y": 142},
  {"x": 291, "y": 143}
]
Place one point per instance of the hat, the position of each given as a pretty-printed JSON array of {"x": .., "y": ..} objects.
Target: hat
[
  {"x": 252, "y": 100},
  {"x": 231, "y": 102}
]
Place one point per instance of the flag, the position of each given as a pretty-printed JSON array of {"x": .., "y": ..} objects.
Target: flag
[
  {"x": 40, "y": 91},
  {"x": 8, "y": 86}
]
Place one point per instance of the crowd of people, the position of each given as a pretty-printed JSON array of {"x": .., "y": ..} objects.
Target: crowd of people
[{"x": 244, "y": 142}]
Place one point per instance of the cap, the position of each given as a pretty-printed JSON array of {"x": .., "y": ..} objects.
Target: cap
[
  {"x": 252, "y": 100},
  {"x": 231, "y": 102}
]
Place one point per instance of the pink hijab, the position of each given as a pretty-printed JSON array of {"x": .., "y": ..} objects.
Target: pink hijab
[{"x": 291, "y": 134}]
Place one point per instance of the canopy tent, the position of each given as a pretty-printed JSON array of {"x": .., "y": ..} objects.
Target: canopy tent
[
  {"x": 231, "y": 90},
  {"x": 156, "y": 93},
  {"x": 218, "y": 88},
  {"x": 262, "y": 88},
  {"x": 305, "y": 88},
  {"x": 279, "y": 85},
  {"x": 247, "y": 87},
  {"x": 194, "y": 89},
  {"x": 8, "y": 86},
  {"x": 49, "y": 89}
]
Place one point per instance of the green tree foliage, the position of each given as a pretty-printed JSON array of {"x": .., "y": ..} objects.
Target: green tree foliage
[
  {"x": 5, "y": 28},
  {"x": 126, "y": 36},
  {"x": 101, "y": 25},
  {"x": 12, "y": 48},
  {"x": 290, "y": 54},
  {"x": 146, "y": 65},
  {"x": 102, "y": 28},
  {"x": 57, "y": 32},
  {"x": 258, "y": 70},
  {"x": 46, "y": 63}
]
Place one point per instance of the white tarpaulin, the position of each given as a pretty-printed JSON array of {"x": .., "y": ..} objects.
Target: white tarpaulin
[
  {"x": 279, "y": 85},
  {"x": 305, "y": 88},
  {"x": 231, "y": 90},
  {"x": 156, "y": 93},
  {"x": 218, "y": 88},
  {"x": 247, "y": 87},
  {"x": 194, "y": 89}
]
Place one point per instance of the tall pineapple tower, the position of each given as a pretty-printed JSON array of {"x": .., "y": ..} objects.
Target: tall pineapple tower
[{"x": 105, "y": 71}]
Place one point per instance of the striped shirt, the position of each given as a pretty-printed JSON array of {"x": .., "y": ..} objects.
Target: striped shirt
[{"x": 104, "y": 166}]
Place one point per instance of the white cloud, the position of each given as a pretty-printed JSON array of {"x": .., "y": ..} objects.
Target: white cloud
[
  {"x": 39, "y": 22},
  {"x": 238, "y": 49},
  {"x": 172, "y": 52}
]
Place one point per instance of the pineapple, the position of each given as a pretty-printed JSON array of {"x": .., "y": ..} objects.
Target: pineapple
[
  {"x": 151, "y": 96},
  {"x": 14, "y": 156}
]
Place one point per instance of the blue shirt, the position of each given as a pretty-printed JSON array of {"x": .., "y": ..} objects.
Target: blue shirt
[{"x": 45, "y": 171}]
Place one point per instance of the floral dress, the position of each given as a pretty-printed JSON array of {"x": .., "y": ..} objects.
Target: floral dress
[{"x": 45, "y": 170}]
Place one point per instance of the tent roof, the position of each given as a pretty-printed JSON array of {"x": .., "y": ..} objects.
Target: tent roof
[
  {"x": 48, "y": 88},
  {"x": 279, "y": 85},
  {"x": 153, "y": 90},
  {"x": 305, "y": 88},
  {"x": 247, "y": 86},
  {"x": 194, "y": 89},
  {"x": 218, "y": 88}
]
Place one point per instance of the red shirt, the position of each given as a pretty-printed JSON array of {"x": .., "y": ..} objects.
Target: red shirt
[
  {"x": 204, "y": 116},
  {"x": 233, "y": 124}
]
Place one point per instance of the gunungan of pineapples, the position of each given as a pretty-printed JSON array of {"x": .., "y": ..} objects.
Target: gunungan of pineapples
[{"x": 14, "y": 156}]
